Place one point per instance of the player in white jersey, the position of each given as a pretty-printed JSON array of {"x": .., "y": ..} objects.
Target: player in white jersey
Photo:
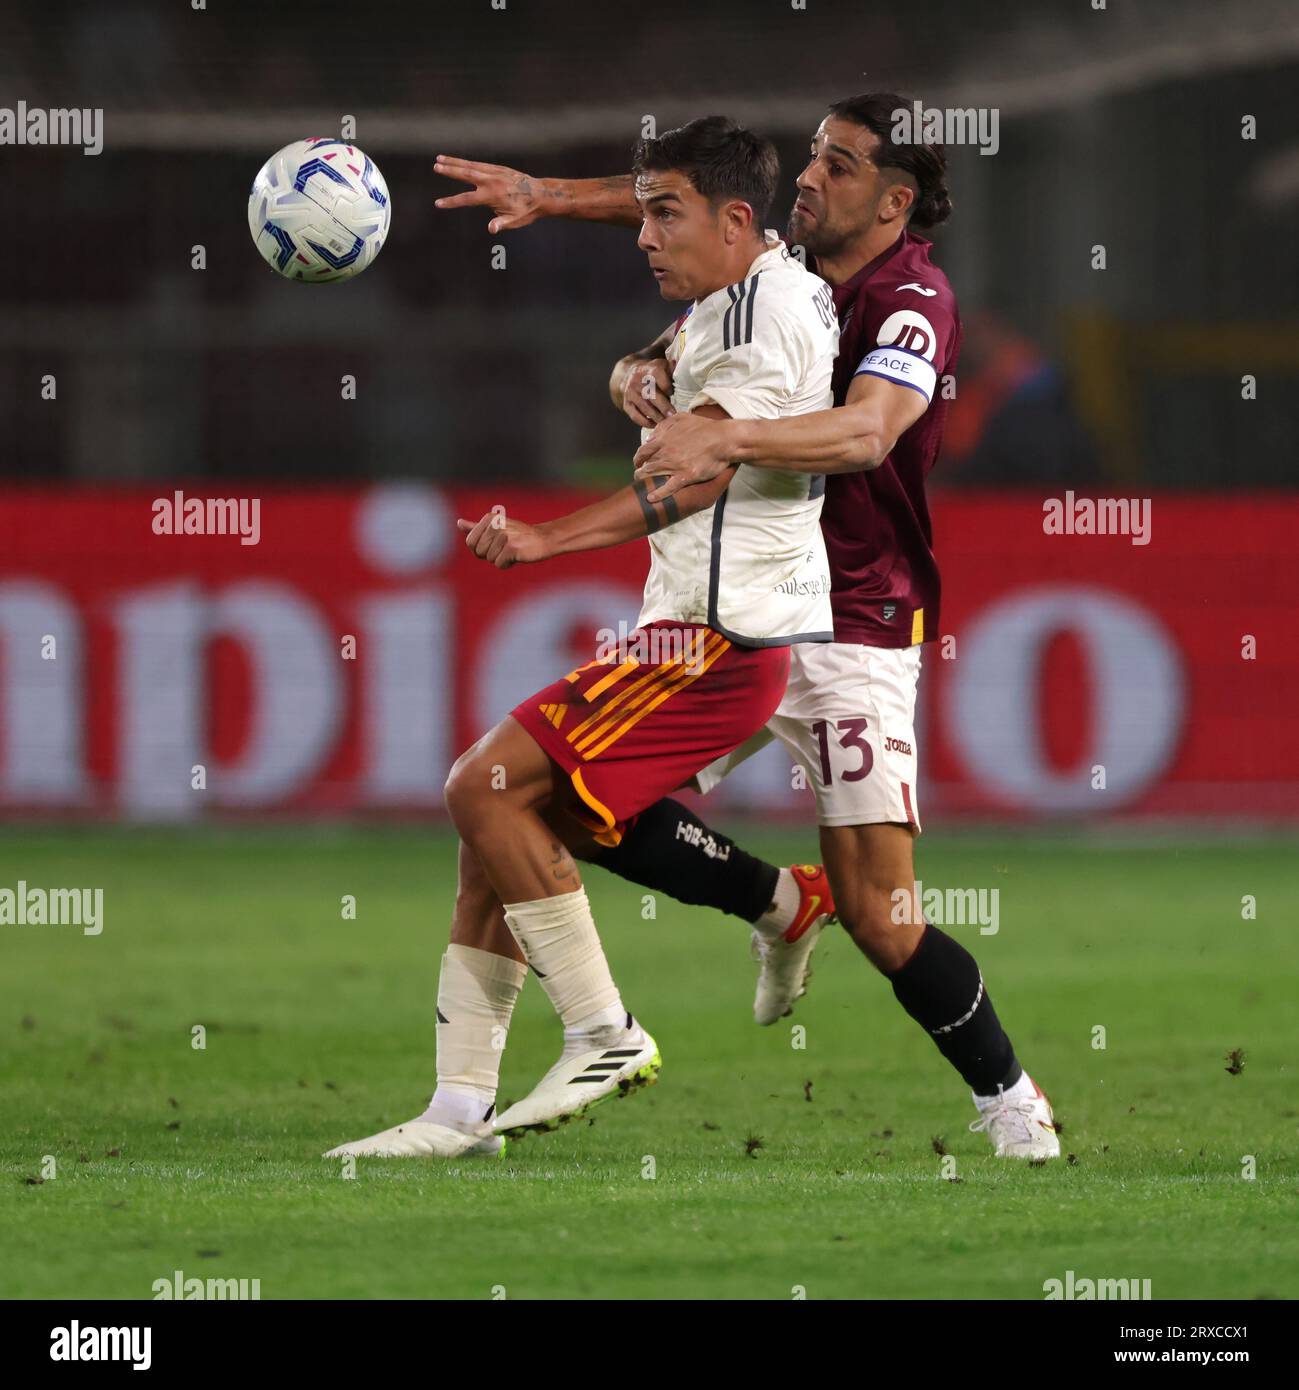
[
  {"x": 753, "y": 564},
  {"x": 738, "y": 576}
]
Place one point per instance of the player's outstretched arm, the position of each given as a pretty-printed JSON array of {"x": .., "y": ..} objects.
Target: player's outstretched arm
[
  {"x": 860, "y": 434},
  {"x": 518, "y": 199},
  {"x": 626, "y": 515}
]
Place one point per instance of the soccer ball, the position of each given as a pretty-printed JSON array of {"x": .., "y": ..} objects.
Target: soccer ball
[{"x": 319, "y": 211}]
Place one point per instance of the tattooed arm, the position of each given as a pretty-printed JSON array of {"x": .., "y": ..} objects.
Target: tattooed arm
[
  {"x": 624, "y": 516},
  {"x": 517, "y": 199},
  {"x": 641, "y": 383}
]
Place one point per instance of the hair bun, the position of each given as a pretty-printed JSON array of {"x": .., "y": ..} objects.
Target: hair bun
[{"x": 934, "y": 208}]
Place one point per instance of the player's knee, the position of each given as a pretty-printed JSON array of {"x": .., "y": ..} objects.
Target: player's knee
[
  {"x": 876, "y": 929},
  {"x": 863, "y": 926},
  {"x": 468, "y": 787}
]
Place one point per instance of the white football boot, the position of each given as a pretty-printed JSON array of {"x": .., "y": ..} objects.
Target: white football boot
[
  {"x": 426, "y": 1138},
  {"x": 610, "y": 1061},
  {"x": 1022, "y": 1127},
  {"x": 785, "y": 961}
]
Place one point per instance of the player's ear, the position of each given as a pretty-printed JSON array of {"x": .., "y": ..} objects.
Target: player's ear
[
  {"x": 738, "y": 221},
  {"x": 898, "y": 200}
]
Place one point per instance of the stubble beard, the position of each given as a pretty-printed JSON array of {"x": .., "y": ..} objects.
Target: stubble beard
[{"x": 817, "y": 240}]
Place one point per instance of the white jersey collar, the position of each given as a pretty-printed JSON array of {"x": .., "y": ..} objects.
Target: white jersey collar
[{"x": 775, "y": 251}]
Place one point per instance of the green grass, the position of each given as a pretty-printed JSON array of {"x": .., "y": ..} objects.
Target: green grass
[{"x": 320, "y": 1030}]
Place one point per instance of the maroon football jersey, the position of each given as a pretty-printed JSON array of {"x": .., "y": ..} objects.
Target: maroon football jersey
[{"x": 898, "y": 320}]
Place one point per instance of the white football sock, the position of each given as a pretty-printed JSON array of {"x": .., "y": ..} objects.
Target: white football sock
[
  {"x": 476, "y": 995},
  {"x": 559, "y": 938},
  {"x": 585, "y": 1034},
  {"x": 615, "y": 1016},
  {"x": 451, "y": 1105},
  {"x": 779, "y": 917},
  {"x": 1023, "y": 1089}
]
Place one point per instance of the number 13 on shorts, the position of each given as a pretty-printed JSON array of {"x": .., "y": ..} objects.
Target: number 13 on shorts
[
  {"x": 850, "y": 734},
  {"x": 848, "y": 718},
  {"x": 850, "y": 710},
  {"x": 861, "y": 777}
]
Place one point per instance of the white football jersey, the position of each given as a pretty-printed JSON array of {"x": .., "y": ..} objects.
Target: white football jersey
[{"x": 753, "y": 566}]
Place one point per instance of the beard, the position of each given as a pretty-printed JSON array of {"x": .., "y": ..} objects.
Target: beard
[{"x": 815, "y": 237}]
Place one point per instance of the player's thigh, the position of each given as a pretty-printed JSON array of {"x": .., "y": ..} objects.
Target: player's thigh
[
  {"x": 504, "y": 768},
  {"x": 848, "y": 718}
]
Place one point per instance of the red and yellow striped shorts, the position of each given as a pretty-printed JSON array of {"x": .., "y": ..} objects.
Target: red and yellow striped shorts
[{"x": 631, "y": 728}]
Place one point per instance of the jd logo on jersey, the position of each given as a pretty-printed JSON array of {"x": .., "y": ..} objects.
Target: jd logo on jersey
[{"x": 910, "y": 331}]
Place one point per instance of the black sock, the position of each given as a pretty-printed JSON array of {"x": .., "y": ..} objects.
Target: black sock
[
  {"x": 942, "y": 989},
  {"x": 669, "y": 849}
]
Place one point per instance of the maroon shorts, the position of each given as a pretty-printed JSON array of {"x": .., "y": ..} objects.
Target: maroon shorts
[{"x": 629, "y": 730}]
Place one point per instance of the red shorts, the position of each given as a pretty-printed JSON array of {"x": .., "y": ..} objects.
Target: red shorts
[{"x": 630, "y": 731}]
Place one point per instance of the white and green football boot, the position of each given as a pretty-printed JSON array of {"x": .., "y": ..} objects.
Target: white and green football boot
[
  {"x": 603, "y": 1064},
  {"x": 427, "y": 1136}
]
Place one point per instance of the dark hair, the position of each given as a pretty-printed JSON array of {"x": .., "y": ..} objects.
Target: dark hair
[
  {"x": 926, "y": 163},
  {"x": 721, "y": 159}
]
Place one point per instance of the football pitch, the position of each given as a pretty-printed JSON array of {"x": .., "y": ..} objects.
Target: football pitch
[{"x": 756, "y": 1168}]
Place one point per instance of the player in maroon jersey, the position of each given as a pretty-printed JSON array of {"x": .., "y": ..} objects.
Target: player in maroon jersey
[{"x": 848, "y": 714}]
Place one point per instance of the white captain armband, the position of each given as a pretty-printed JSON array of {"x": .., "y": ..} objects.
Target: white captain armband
[{"x": 899, "y": 365}]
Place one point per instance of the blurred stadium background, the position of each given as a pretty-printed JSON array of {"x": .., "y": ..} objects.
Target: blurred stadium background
[{"x": 1119, "y": 127}]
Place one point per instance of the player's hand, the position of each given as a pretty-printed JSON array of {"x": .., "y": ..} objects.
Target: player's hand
[
  {"x": 515, "y": 198},
  {"x": 683, "y": 449},
  {"x": 647, "y": 393},
  {"x": 502, "y": 541}
]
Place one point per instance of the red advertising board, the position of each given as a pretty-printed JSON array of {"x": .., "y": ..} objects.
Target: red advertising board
[{"x": 337, "y": 655}]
